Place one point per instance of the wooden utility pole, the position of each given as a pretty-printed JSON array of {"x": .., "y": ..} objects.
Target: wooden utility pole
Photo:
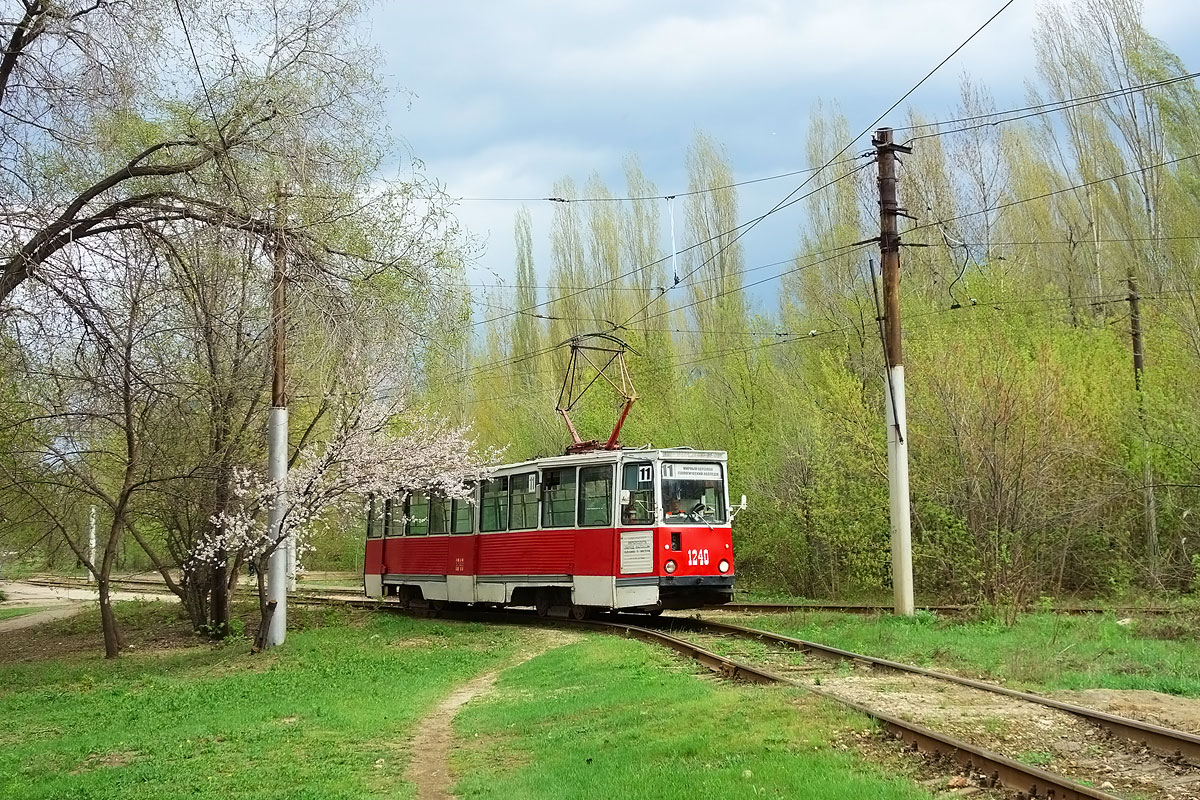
[
  {"x": 1149, "y": 501},
  {"x": 896, "y": 416},
  {"x": 277, "y": 439}
]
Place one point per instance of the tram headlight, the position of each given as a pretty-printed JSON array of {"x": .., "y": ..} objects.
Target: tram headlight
[
  {"x": 723, "y": 566},
  {"x": 669, "y": 567}
]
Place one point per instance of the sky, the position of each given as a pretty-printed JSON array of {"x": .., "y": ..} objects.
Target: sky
[{"x": 504, "y": 98}]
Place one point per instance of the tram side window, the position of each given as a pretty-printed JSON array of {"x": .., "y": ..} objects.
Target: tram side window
[
  {"x": 595, "y": 495},
  {"x": 523, "y": 500},
  {"x": 439, "y": 515},
  {"x": 461, "y": 518},
  {"x": 493, "y": 505},
  {"x": 393, "y": 517},
  {"x": 374, "y": 518},
  {"x": 638, "y": 480},
  {"x": 418, "y": 514},
  {"x": 558, "y": 498}
]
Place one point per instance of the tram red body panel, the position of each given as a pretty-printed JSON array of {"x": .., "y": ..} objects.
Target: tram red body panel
[
  {"x": 463, "y": 552},
  {"x": 373, "y": 557},
  {"x": 694, "y": 544},
  {"x": 545, "y": 552}
]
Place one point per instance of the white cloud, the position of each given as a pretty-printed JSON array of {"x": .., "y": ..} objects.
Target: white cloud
[{"x": 511, "y": 96}]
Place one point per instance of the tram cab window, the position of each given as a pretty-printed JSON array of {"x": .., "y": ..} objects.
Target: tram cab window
[
  {"x": 523, "y": 502},
  {"x": 493, "y": 505},
  {"x": 558, "y": 498},
  {"x": 638, "y": 480},
  {"x": 418, "y": 514},
  {"x": 374, "y": 518},
  {"x": 461, "y": 517},
  {"x": 439, "y": 515},
  {"x": 693, "y": 492},
  {"x": 595, "y": 495}
]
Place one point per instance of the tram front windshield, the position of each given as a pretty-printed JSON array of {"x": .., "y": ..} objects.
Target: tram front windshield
[{"x": 694, "y": 492}]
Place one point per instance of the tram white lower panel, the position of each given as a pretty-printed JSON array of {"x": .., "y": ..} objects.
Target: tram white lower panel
[
  {"x": 635, "y": 596},
  {"x": 594, "y": 590},
  {"x": 373, "y": 585},
  {"x": 491, "y": 592},
  {"x": 432, "y": 590},
  {"x": 460, "y": 588}
]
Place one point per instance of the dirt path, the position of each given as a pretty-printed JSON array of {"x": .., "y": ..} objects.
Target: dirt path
[
  {"x": 429, "y": 765},
  {"x": 58, "y": 602},
  {"x": 38, "y": 617}
]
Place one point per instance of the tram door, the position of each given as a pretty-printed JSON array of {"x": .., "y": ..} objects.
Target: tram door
[{"x": 635, "y": 552}]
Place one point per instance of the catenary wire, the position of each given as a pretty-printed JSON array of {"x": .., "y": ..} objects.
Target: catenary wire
[
  {"x": 838, "y": 154},
  {"x": 688, "y": 193},
  {"x": 1041, "y": 108}
]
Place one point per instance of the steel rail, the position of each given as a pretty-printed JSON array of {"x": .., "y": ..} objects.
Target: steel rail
[
  {"x": 860, "y": 608},
  {"x": 1166, "y": 741},
  {"x": 151, "y": 586},
  {"x": 868, "y": 608}
]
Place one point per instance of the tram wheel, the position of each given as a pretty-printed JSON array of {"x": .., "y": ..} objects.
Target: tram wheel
[
  {"x": 542, "y": 603},
  {"x": 580, "y": 612}
]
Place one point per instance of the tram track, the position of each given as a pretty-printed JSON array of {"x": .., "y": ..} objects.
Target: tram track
[
  {"x": 1162, "y": 762},
  {"x": 948, "y": 609},
  {"x": 1177, "y": 752},
  {"x": 987, "y": 766},
  {"x": 1167, "y": 741}
]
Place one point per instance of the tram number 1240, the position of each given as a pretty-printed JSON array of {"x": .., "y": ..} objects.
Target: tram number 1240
[{"x": 698, "y": 558}]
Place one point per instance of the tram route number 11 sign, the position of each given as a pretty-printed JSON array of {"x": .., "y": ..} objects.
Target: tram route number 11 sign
[{"x": 704, "y": 472}]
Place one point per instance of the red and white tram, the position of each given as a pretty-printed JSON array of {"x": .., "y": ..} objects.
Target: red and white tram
[{"x": 631, "y": 529}]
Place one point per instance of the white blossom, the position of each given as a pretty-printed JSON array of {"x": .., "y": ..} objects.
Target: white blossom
[{"x": 370, "y": 451}]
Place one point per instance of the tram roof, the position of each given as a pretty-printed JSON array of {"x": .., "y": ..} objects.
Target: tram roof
[{"x": 614, "y": 456}]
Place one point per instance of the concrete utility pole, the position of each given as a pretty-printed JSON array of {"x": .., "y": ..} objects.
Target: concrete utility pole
[
  {"x": 1149, "y": 501},
  {"x": 277, "y": 441},
  {"x": 91, "y": 541},
  {"x": 896, "y": 417}
]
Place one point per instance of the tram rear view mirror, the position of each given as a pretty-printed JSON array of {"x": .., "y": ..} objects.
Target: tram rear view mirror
[
  {"x": 626, "y": 497},
  {"x": 739, "y": 507}
]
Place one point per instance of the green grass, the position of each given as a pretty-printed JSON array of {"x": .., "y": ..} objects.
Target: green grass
[
  {"x": 327, "y": 716},
  {"x": 9, "y": 613},
  {"x": 615, "y": 718},
  {"x": 1040, "y": 651},
  {"x": 1036, "y": 758}
]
